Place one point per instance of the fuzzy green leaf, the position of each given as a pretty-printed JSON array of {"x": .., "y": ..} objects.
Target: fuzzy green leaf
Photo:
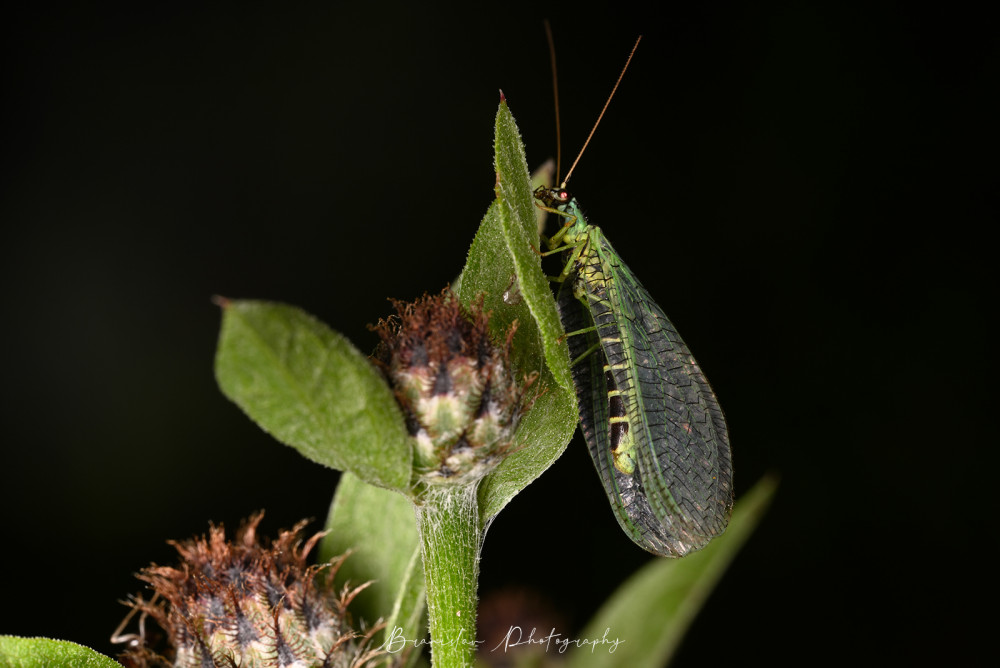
[
  {"x": 653, "y": 609},
  {"x": 504, "y": 259},
  {"x": 18, "y": 652},
  {"x": 520, "y": 231},
  {"x": 311, "y": 389},
  {"x": 379, "y": 528}
]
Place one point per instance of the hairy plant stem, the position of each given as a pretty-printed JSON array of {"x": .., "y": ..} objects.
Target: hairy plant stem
[{"x": 450, "y": 539}]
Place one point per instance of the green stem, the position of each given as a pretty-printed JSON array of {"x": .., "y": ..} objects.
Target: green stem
[{"x": 450, "y": 540}]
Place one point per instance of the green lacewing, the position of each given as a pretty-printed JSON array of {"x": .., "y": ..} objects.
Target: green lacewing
[{"x": 653, "y": 426}]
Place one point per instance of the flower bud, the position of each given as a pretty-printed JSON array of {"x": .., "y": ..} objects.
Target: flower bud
[
  {"x": 455, "y": 385},
  {"x": 247, "y": 603}
]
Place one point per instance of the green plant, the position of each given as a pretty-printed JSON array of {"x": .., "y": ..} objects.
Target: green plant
[{"x": 425, "y": 471}]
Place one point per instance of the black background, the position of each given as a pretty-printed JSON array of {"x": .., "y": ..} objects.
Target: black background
[{"x": 806, "y": 189}]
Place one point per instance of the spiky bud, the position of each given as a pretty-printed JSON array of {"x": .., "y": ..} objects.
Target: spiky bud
[
  {"x": 249, "y": 604},
  {"x": 461, "y": 400}
]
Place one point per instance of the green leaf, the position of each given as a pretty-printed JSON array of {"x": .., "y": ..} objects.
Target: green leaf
[
  {"x": 541, "y": 437},
  {"x": 44, "y": 652},
  {"x": 311, "y": 389},
  {"x": 504, "y": 255},
  {"x": 653, "y": 609},
  {"x": 520, "y": 233},
  {"x": 379, "y": 528}
]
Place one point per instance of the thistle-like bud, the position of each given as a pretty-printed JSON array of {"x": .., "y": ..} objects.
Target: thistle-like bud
[
  {"x": 458, "y": 393},
  {"x": 248, "y": 604}
]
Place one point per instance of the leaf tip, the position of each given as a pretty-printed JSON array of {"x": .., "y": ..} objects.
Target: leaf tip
[
  {"x": 503, "y": 98},
  {"x": 221, "y": 302}
]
